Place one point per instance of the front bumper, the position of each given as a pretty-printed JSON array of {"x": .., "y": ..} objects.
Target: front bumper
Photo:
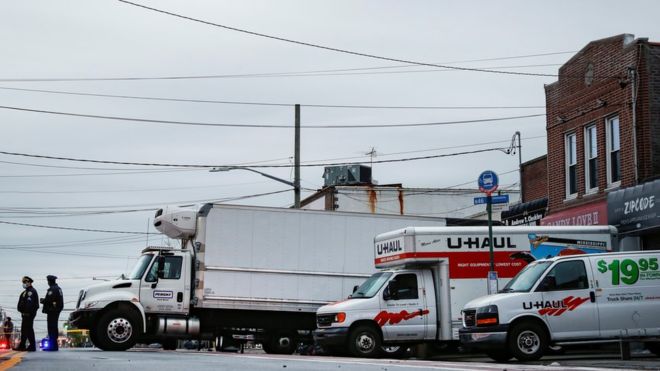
[
  {"x": 484, "y": 338},
  {"x": 330, "y": 337},
  {"x": 82, "y": 318}
]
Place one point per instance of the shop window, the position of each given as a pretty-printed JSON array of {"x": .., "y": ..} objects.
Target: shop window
[
  {"x": 613, "y": 152},
  {"x": 591, "y": 159},
  {"x": 571, "y": 166}
]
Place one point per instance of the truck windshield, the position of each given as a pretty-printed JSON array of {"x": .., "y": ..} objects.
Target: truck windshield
[
  {"x": 140, "y": 267},
  {"x": 527, "y": 277},
  {"x": 371, "y": 286}
]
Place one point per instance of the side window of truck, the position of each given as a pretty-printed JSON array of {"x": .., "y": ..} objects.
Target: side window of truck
[
  {"x": 570, "y": 275},
  {"x": 171, "y": 270},
  {"x": 406, "y": 287}
]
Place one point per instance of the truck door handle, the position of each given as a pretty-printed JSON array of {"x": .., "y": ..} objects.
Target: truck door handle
[
  {"x": 592, "y": 296},
  {"x": 179, "y": 297}
]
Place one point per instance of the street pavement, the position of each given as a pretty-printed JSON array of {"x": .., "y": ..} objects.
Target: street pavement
[{"x": 155, "y": 359}]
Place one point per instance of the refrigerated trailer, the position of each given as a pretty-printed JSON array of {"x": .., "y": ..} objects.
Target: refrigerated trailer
[
  {"x": 427, "y": 274},
  {"x": 241, "y": 272}
]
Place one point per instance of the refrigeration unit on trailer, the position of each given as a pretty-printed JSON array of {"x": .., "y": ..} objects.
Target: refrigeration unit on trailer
[
  {"x": 569, "y": 299},
  {"x": 426, "y": 276},
  {"x": 241, "y": 272}
]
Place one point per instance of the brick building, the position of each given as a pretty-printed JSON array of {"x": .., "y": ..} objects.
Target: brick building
[{"x": 603, "y": 128}]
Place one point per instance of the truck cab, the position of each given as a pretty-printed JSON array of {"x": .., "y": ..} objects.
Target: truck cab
[{"x": 156, "y": 293}]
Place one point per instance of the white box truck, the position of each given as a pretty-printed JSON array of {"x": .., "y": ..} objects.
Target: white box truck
[
  {"x": 565, "y": 300},
  {"x": 242, "y": 272},
  {"x": 429, "y": 273}
]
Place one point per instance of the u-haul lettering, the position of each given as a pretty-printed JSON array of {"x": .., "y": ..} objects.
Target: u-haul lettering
[
  {"x": 389, "y": 247},
  {"x": 479, "y": 243}
]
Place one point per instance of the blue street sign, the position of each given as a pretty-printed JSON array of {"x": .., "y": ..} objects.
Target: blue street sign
[
  {"x": 488, "y": 181},
  {"x": 501, "y": 199}
]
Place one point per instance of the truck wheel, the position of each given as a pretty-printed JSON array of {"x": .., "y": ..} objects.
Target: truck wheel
[
  {"x": 282, "y": 343},
  {"x": 500, "y": 356},
  {"x": 92, "y": 336},
  {"x": 653, "y": 347},
  {"x": 117, "y": 330},
  {"x": 527, "y": 341},
  {"x": 393, "y": 351},
  {"x": 169, "y": 344},
  {"x": 364, "y": 341}
]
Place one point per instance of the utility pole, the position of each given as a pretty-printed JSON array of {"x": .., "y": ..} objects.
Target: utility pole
[{"x": 296, "y": 176}]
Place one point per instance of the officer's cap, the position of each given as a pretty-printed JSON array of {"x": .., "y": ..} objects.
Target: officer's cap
[
  {"x": 50, "y": 277},
  {"x": 28, "y": 279}
]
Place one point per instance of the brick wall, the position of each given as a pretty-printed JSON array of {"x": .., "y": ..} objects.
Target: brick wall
[
  {"x": 573, "y": 103},
  {"x": 535, "y": 179}
]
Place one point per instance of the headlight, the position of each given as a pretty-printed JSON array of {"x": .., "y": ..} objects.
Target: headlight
[
  {"x": 340, "y": 317},
  {"x": 487, "y": 316}
]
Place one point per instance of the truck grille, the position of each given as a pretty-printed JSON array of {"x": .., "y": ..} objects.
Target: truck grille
[
  {"x": 324, "y": 320},
  {"x": 469, "y": 317}
]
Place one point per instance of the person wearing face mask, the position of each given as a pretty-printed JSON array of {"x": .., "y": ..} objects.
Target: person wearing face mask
[
  {"x": 28, "y": 304},
  {"x": 53, "y": 304}
]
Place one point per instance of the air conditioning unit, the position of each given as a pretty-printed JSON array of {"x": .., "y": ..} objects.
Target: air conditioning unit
[
  {"x": 175, "y": 222},
  {"x": 346, "y": 175}
]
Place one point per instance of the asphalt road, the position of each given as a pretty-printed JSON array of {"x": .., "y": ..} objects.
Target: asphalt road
[{"x": 154, "y": 359}]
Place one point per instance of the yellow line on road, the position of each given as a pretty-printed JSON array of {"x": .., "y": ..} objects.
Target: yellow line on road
[{"x": 11, "y": 362}]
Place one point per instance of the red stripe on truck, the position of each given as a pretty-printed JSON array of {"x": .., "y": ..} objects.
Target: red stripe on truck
[{"x": 473, "y": 264}]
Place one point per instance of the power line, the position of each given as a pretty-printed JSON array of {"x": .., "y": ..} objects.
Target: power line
[
  {"x": 72, "y": 229},
  {"x": 265, "y": 103},
  {"x": 264, "y": 126},
  {"x": 254, "y": 166},
  {"x": 344, "y": 51},
  {"x": 350, "y": 52}
]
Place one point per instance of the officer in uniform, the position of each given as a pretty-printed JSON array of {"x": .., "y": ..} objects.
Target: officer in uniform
[
  {"x": 28, "y": 304},
  {"x": 53, "y": 304}
]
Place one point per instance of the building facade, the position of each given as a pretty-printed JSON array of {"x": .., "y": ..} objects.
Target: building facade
[{"x": 603, "y": 128}]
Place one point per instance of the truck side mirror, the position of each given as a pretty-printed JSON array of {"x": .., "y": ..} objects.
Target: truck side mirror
[
  {"x": 391, "y": 291},
  {"x": 355, "y": 288},
  {"x": 160, "y": 260},
  {"x": 548, "y": 284}
]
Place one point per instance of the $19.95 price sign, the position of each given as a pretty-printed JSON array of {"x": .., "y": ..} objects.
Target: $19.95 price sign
[{"x": 629, "y": 271}]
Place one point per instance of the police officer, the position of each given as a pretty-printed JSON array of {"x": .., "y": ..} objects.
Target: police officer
[
  {"x": 53, "y": 304},
  {"x": 28, "y": 304}
]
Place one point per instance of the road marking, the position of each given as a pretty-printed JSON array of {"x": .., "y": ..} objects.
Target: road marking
[{"x": 12, "y": 361}]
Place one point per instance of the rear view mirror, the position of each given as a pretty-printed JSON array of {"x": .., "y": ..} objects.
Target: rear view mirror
[
  {"x": 548, "y": 284},
  {"x": 355, "y": 288},
  {"x": 160, "y": 260}
]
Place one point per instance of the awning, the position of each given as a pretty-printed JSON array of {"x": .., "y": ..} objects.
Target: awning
[
  {"x": 635, "y": 209},
  {"x": 527, "y": 213}
]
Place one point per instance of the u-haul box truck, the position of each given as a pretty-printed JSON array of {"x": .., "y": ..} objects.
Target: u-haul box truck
[
  {"x": 429, "y": 273},
  {"x": 569, "y": 299}
]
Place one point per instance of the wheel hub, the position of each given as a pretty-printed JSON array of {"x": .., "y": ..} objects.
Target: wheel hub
[
  {"x": 365, "y": 343},
  {"x": 528, "y": 342},
  {"x": 119, "y": 330}
]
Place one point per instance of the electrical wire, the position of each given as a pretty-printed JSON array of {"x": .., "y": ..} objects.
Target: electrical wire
[
  {"x": 265, "y": 126},
  {"x": 266, "y": 103},
  {"x": 345, "y": 51},
  {"x": 72, "y": 229}
]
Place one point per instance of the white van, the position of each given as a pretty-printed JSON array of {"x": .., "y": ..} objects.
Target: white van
[{"x": 568, "y": 299}]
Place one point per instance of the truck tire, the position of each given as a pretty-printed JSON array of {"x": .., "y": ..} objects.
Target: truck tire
[
  {"x": 393, "y": 351},
  {"x": 653, "y": 347},
  {"x": 117, "y": 330},
  {"x": 527, "y": 341},
  {"x": 364, "y": 341},
  {"x": 499, "y": 356},
  {"x": 169, "y": 344},
  {"x": 92, "y": 337},
  {"x": 281, "y": 343}
]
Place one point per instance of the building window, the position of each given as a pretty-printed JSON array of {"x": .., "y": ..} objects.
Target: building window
[
  {"x": 614, "y": 152},
  {"x": 591, "y": 158},
  {"x": 571, "y": 166}
]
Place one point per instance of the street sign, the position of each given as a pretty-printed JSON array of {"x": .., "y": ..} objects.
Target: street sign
[
  {"x": 501, "y": 199},
  {"x": 488, "y": 182}
]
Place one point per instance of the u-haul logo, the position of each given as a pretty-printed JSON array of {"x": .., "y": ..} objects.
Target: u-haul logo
[
  {"x": 555, "y": 307},
  {"x": 163, "y": 294},
  {"x": 389, "y": 247},
  {"x": 383, "y": 318}
]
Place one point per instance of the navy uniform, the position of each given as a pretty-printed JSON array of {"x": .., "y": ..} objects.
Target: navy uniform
[
  {"x": 28, "y": 304},
  {"x": 53, "y": 304}
]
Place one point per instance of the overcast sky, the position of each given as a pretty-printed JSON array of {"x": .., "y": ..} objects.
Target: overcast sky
[{"x": 110, "y": 39}]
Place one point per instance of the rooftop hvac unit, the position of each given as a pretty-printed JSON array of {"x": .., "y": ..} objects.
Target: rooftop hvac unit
[{"x": 346, "y": 175}]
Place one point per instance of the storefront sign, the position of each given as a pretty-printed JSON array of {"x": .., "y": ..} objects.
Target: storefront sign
[
  {"x": 590, "y": 214},
  {"x": 635, "y": 208}
]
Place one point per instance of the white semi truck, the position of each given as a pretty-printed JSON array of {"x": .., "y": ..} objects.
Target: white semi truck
[
  {"x": 429, "y": 273},
  {"x": 241, "y": 272}
]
